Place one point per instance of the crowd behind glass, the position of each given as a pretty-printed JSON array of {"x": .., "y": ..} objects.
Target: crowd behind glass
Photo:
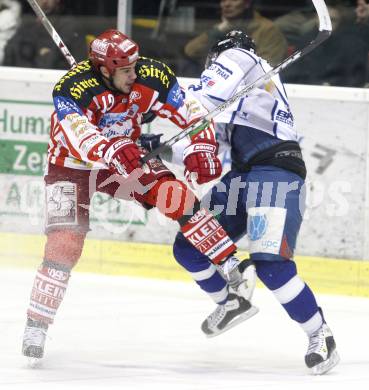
[{"x": 181, "y": 32}]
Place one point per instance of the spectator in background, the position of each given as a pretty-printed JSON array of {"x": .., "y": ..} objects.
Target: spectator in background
[
  {"x": 340, "y": 61},
  {"x": 300, "y": 21},
  {"x": 362, "y": 11},
  {"x": 31, "y": 46},
  {"x": 9, "y": 18},
  {"x": 240, "y": 15},
  {"x": 362, "y": 18}
]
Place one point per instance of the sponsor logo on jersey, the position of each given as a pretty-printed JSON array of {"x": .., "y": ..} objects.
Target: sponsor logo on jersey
[
  {"x": 175, "y": 96},
  {"x": 257, "y": 226},
  {"x": 78, "y": 124},
  {"x": 132, "y": 111},
  {"x": 65, "y": 106},
  {"x": 207, "y": 81},
  {"x": 111, "y": 119},
  {"x": 115, "y": 124},
  {"x": 79, "y": 87},
  {"x": 80, "y": 68},
  {"x": 270, "y": 244},
  {"x": 285, "y": 117},
  {"x": 151, "y": 71},
  {"x": 221, "y": 71}
]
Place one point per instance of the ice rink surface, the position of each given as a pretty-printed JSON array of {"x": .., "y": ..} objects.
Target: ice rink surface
[{"x": 127, "y": 333}]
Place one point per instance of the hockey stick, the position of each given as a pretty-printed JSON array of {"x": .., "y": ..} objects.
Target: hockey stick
[
  {"x": 325, "y": 29},
  {"x": 51, "y": 30}
]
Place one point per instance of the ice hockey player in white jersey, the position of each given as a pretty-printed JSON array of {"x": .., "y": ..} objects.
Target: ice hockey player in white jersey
[{"x": 263, "y": 194}]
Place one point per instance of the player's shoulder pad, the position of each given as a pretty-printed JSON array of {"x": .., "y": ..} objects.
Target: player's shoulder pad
[
  {"x": 155, "y": 75},
  {"x": 241, "y": 57},
  {"x": 80, "y": 84}
]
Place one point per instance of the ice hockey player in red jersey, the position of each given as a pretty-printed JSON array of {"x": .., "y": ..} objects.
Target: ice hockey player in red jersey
[{"x": 100, "y": 106}]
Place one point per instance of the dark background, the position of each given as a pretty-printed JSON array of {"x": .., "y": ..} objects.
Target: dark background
[{"x": 150, "y": 8}]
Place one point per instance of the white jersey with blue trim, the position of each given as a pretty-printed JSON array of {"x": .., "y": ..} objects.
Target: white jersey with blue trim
[{"x": 265, "y": 108}]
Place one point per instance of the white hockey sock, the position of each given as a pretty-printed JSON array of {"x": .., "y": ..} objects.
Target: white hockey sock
[{"x": 48, "y": 291}]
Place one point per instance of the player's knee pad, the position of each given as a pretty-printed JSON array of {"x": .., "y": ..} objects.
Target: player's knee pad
[
  {"x": 172, "y": 197},
  {"x": 275, "y": 274},
  {"x": 64, "y": 247}
]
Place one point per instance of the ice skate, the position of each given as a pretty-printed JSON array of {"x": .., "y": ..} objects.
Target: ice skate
[
  {"x": 321, "y": 355},
  {"x": 225, "y": 317},
  {"x": 34, "y": 341},
  {"x": 240, "y": 275}
]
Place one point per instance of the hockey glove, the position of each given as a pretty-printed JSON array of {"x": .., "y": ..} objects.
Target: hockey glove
[
  {"x": 150, "y": 142},
  {"x": 202, "y": 163},
  {"x": 122, "y": 156}
]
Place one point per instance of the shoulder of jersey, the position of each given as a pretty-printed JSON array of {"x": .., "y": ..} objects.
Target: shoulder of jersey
[
  {"x": 239, "y": 55},
  {"x": 155, "y": 74},
  {"x": 80, "y": 83}
]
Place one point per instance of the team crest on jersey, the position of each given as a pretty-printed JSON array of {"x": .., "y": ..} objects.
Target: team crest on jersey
[{"x": 135, "y": 95}]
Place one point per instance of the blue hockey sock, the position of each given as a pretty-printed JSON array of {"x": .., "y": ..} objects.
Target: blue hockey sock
[
  {"x": 291, "y": 291},
  {"x": 201, "y": 269}
]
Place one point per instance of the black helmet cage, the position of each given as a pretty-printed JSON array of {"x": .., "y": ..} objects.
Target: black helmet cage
[{"x": 234, "y": 38}]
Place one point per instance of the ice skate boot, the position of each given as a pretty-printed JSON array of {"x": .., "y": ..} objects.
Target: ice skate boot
[
  {"x": 34, "y": 341},
  {"x": 240, "y": 275},
  {"x": 228, "y": 315},
  {"x": 321, "y": 355}
]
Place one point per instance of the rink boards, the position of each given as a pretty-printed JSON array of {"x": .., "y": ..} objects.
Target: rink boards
[{"x": 331, "y": 276}]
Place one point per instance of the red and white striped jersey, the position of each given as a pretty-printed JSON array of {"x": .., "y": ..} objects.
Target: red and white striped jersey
[{"x": 88, "y": 114}]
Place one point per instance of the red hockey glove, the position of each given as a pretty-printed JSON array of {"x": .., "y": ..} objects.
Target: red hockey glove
[
  {"x": 201, "y": 159},
  {"x": 122, "y": 155}
]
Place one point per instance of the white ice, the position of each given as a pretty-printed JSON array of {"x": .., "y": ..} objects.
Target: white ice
[{"x": 130, "y": 333}]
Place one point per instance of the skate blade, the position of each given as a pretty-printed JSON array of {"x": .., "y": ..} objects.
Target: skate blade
[
  {"x": 327, "y": 365},
  {"x": 33, "y": 362},
  {"x": 237, "y": 320}
]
